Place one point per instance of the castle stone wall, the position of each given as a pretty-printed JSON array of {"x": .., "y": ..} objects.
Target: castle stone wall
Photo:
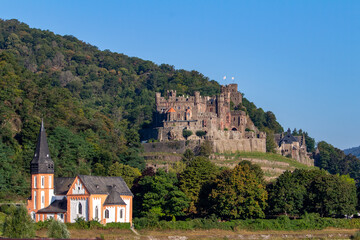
[
  {"x": 242, "y": 145},
  {"x": 219, "y": 146}
]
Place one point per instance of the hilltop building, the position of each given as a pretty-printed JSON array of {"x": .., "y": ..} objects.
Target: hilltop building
[
  {"x": 105, "y": 199},
  {"x": 292, "y": 146},
  {"x": 217, "y": 119}
]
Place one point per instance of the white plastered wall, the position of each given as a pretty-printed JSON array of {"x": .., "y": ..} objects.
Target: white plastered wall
[
  {"x": 119, "y": 219},
  {"x": 74, "y": 209},
  {"x": 96, "y": 203},
  {"x": 127, "y": 212},
  {"x": 111, "y": 214},
  {"x": 78, "y": 188}
]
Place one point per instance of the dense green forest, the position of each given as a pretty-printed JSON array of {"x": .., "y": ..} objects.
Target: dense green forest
[{"x": 93, "y": 102}]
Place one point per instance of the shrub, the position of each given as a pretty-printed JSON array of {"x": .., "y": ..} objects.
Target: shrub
[
  {"x": 19, "y": 224},
  {"x": 200, "y": 133},
  {"x": 43, "y": 224},
  {"x": 58, "y": 229},
  {"x": 80, "y": 223},
  {"x": 356, "y": 236},
  {"x": 187, "y": 133},
  {"x": 8, "y": 208},
  {"x": 117, "y": 225}
]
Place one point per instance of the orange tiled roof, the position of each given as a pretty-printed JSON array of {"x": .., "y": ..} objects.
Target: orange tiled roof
[{"x": 171, "y": 110}]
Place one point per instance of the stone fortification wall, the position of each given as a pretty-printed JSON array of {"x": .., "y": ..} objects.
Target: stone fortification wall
[
  {"x": 242, "y": 145},
  {"x": 219, "y": 146},
  {"x": 170, "y": 146}
]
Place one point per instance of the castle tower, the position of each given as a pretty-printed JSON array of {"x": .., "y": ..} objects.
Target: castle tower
[{"x": 42, "y": 176}]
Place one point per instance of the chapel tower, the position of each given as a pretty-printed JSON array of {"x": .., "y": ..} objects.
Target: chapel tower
[{"x": 42, "y": 175}]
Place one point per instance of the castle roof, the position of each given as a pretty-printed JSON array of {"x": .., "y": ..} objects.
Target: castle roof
[
  {"x": 171, "y": 110},
  {"x": 288, "y": 138},
  {"x": 42, "y": 162}
]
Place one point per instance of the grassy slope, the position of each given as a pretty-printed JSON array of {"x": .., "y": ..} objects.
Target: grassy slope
[{"x": 272, "y": 164}]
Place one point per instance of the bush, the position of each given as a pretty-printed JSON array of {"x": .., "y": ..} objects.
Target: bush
[
  {"x": 200, "y": 133},
  {"x": 57, "y": 229},
  {"x": 115, "y": 225},
  {"x": 356, "y": 236},
  {"x": 187, "y": 133},
  {"x": 43, "y": 224},
  {"x": 19, "y": 224},
  {"x": 308, "y": 222},
  {"x": 80, "y": 223},
  {"x": 8, "y": 209}
]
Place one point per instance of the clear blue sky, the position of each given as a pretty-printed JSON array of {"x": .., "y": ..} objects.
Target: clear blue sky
[{"x": 299, "y": 59}]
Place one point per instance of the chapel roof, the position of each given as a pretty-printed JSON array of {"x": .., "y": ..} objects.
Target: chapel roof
[
  {"x": 104, "y": 185},
  {"x": 114, "y": 198},
  {"x": 57, "y": 206},
  {"x": 62, "y": 185}
]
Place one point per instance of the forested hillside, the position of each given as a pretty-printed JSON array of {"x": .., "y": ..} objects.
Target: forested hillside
[
  {"x": 93, "y": 102},
  {"x": 354, "y": 151}
]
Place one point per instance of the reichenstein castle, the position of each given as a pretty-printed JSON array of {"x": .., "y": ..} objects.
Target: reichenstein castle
[{"x": 187, "y": 121}]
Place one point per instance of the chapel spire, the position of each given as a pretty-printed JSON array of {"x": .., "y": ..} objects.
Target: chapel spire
[{"x": 42, "y": 162}]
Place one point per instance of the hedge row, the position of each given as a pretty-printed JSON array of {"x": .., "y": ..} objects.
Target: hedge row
[{"x": 308, "y": 222}]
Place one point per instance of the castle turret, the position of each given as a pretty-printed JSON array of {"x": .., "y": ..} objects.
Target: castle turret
[
  {"x": 42, "y": 175},
  {"x": 157, "y": 98}
]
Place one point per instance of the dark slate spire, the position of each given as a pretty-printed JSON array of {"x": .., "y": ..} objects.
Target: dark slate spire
[{"x": 42, "y": 162}]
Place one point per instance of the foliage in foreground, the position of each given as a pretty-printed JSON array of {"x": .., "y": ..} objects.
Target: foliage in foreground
[
  {"x": 58, "y": 230},
  {"x": 18, "y": 224}
]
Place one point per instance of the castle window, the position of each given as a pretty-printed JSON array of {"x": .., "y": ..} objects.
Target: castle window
[
  {"x": 106, "y": 213},
  {"x": 42, "y": 181},
  {"x": 80, "y": 208},
  {"x": 50, "y": 181},
  {"x": 62, "y": 216},
  {"x": 96, "y": 213},
  {"x": 35, "y": 179},
  {"x": 121, "y": 213}
]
